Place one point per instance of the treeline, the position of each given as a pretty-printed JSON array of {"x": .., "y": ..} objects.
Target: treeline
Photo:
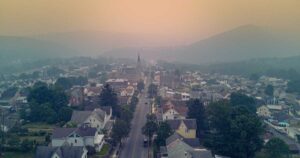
[
  {"x": 46, "y": 104},
  {"x": 69, "y": 82},
  {"x": 232, "y": 128}
]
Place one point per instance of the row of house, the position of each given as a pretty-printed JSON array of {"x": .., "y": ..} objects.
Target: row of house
[{"x": 88, "y": 133}]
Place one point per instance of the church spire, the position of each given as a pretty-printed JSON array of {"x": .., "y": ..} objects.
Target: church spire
[{"x": 139, "y": 58}]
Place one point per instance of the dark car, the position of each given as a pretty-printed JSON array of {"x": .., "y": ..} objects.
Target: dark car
[{"x": 145, "y": 142}]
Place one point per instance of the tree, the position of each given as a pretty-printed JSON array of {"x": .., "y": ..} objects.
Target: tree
[
  {"x": 152, "y": 90},
  {"x": 64, "y": 83},
  {"x": 238, "y": 99},
  {"x": 140, "y": 85},
  {"x": 158, "y": 100},
  {"x": 120, "y": 130},
  {"x": 126, "y": 114},
  {"x": 269, "y": 90},
  {"x": 109, "y": 98},
  {"x": 45, "y": 104},
  {"x": 197, "y": 111},
  {"x": 65, "y": 114},
  {"x": 150, "y": 127},
  {"x": 234, "y": 131},
  {"x": 276, "y": 148},
  {"x": 293, "y": 86},
  {"x": 9, "y": 93},
  {"x": 254, "y": 77},
  {"x": 163, "y": 132},
  {"x": 26, "y": 145}
]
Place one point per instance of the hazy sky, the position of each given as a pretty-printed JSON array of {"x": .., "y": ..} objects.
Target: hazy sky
[{"x": 169, "y": 18}]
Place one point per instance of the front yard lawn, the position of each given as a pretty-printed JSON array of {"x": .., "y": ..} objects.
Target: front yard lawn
[
  {"x": 104, "y": 150},
  {"x": 18, "y": 155}
]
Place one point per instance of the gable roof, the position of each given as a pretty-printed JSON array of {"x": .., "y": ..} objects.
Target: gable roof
[
  {"x": 65, "y": 132},
  {"x": 192, "y": 142},
  {"x": 179, "y": 106},
  {"x": 189, "y": 123},
  {"x": 200, "y": 153},
  {"x": 62, "y": 152},
  {"x": 79, "y": 117}
]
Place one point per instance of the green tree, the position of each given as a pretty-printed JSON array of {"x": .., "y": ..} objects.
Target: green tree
[
  {"x": 235, "y": 131},
  {"x": 276, "y": 148},
  {"x": 140, "y": 85},
  {"x": 126, "y": 114},
  {"x": 109, "y": 98},
  {"x": 239, "y": 99},
  {"x": 9, "y": 93},
  {"x": 64, "y": 83},
  {"x": 163, "y": 132},
  {"x": 152, "y": 90},
  {"x": 150, "y": 128},
  {"x": 120, "y": 130},
  {"x": 293, "y": 86},
  {"x": 158, "y": 100},
  {"x": 65, "y": 114},
  {"x": 269, "y": 90},
  {"x": 197, "y": 111},
  {"x": 254, "y": 77},
  {"x": 26, "y": 145}
]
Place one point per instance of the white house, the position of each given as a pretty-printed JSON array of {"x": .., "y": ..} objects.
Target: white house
[
  {"x": 174, "y": 110},
  {"x": 97, "y": 118},
  {"x": 82, "y": 137}
]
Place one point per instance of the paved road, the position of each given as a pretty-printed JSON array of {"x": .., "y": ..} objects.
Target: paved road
[{"x": 133, "y": 146}]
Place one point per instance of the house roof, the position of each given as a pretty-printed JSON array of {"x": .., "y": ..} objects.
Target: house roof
[
  {"x": 62, "y": 152},
  {"x": 179, "y": 106},
  {"x": 200, "y": 153},
  {"x": 192, "y": 142},
  {"x": 189, "y": 123},
  {"x": 80, "y": 117},
  {"x": 82, "y": 131}
]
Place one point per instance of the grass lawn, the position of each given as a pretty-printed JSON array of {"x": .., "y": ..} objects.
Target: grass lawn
[
  {"x": 35, "y": 127},
  {"x": 40, "y": 139},
  {"x": 18, "y": 155},
  {"x": 104, "y": 150}
]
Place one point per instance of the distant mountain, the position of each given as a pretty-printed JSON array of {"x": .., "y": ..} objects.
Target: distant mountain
[
  {"x": 245, "y": 42},
  {"x": 97, "y": 42},
  {"x": 18, "y": 49},
  {"x": 242, "y": 43}
]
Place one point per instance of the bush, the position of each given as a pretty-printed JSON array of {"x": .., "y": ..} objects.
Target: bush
[{"x": 91, "y": 150}]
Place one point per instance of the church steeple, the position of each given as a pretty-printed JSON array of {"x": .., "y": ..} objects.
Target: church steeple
[
  {"x": 139, "y": 64},
  {"x": 139, "y": 58}
]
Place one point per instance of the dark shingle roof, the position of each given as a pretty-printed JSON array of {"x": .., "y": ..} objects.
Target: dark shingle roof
[
  {"x": 82, "y": 131},
  {"x": 201, "y": 154},
  {"x": 79, "y": 117},
  {"x": 193, "y": 142},
  {"x": 190, "y": 123},
  {"x": 63, "y": 152},
  {"x": 62, "y": 132}
]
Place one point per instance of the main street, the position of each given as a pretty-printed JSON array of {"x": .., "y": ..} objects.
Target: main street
[{"x": 133, "y": 146}]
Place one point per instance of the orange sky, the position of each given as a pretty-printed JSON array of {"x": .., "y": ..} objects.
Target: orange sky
[{"x": 183, "y": 19}]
